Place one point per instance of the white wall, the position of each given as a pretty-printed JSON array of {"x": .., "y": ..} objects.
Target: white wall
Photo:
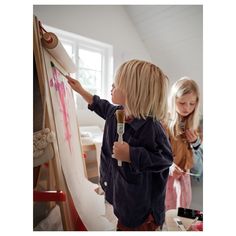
[
  {"x": 109, "y": 24},
  {"x": 173, "y": 35}
]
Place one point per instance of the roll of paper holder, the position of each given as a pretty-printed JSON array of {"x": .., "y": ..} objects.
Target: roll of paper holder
[{"x": 52, "y": 44}]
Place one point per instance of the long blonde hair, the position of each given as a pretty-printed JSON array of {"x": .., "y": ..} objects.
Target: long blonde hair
[
  {"x": 181, "y": 87},
  {"x": 145, "y": 87}
]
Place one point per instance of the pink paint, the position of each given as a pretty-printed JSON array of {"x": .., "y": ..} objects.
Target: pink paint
[
  {"x": 60, "y": 88},
  {"x": 51, "y": 82}
]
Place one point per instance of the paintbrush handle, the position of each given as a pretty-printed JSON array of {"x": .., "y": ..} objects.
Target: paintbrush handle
[
  {"x": 120, "y": 139},
  {"x": 120, "y": 131},
  {"x": 119, "y": 162}
]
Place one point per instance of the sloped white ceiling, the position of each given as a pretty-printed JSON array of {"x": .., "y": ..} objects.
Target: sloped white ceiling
[{"x": 173, "y": 36}]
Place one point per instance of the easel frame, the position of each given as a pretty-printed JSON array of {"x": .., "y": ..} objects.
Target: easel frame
[{"x": 56, "y": 179}]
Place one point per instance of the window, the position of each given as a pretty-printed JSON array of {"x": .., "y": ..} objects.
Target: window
[
  {"x": 90, "y": 70},
  {"x": 94, "y": 61}
]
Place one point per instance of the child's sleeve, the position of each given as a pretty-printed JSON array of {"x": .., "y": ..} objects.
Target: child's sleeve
[
  {"x": 197, "y": 163},
  {"x": 155, "y": 159},
  {"x": 101, "y": 107},
  {"x": 196, "y": 144}
]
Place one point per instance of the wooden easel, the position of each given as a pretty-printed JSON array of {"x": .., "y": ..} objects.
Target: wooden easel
[{"x": 56, "y": 178}]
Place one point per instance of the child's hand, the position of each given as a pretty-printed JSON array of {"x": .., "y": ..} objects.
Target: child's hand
[
  {"x": 121, "y": 151},
  {"x": 75, "y": 84},
  {"x": 176, "y": 171},
  {"x": 191, "y": 136}
]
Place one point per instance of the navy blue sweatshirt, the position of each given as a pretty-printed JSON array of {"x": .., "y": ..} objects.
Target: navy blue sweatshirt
[{"x": 136, "y": 189}]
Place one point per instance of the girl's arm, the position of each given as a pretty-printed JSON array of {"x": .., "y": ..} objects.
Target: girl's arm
[
  {"x": 197, "y": 161},
  {"x": 191, "y": 135},
  {"x": 143, "y": 160},
  {"x": 75, "y": 85},
  {"x": 193, "y": 139},
  {"x": 176, "y": 171},
  {"x": 151, "y": 152},
  {"x": 122, "y": 152},
  {"x": 102, "y": 107}
]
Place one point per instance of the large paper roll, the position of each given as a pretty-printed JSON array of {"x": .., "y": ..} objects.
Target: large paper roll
[{"x": 56, "y": 49}]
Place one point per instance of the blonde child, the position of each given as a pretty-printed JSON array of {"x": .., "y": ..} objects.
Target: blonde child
[
  {"x": 137, "y": 188},
  {"x": 182, "y": 128}
]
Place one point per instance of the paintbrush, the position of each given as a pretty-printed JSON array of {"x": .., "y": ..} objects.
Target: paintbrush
[
  {"x": 120, "y": 116},
  {"x": 53, "y": 65},
  {"x": 188, "y": 173}
]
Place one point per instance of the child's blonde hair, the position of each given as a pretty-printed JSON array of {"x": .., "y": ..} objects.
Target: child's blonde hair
[
  {"x": 181, "y": 87},
  {"x": 145, "y": 87}
]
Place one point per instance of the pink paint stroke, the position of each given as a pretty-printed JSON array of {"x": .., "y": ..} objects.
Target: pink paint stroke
[{"x": 60, "y": 88}]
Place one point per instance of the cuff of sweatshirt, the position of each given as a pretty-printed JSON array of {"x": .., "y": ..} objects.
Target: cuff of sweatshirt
[
  {"x": 196, "y": 144},
  {"x": 93, "y": 104}
]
